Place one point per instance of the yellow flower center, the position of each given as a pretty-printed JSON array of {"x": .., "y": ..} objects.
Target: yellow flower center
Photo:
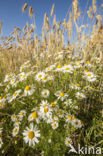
[
  {"x": 69, "y": 117},
  {"x": 44, "y": 78},
  {"x": 17, "y": 121},
  {"x": 88, "y": 62},
  {"x": 22, "y": 113},
  {"x": 78, "y": 85},
  {"x": 61, "y": 94},
  {"x": 15, "y": 94},
  {"x": 67, "y": 68},
  {"x": 68, "y": 142},
  {"x": 39, "y": 76},
  {"x": 44, "y": 105},
  {"x": 89, "y": 74},
  {"x": 0, "y": 97},
  {"x": 59, "y": 66},
  {"x": 45, "y": 93},
  {"x": 31, "y": 135},
  {"x": 77, "y": 65},
  {"x": 15, "y": 130},
  {"x": 73, "y": 117},
  {"x": 54, "y": 125},
  {"x": 48, "y": 69},
  {"x": 53, "y": 104},
  {"x": 45, "y": 110},
  {"x": 27, "y": 88},
  {"x": 76, "y": 122},
  {"x": 34, "y": 115},
  {"x": 78, "y": 61}
]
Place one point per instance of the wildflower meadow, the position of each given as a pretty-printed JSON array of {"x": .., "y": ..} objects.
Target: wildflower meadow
[{"x": 51, "y": 93}]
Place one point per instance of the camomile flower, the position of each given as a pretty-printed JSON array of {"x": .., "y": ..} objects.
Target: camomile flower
[
  {"x": 77, "y": 65},
  {"x": 22, "y": 76},
  {"x": 80, "y": 95},
  {"x": 14, "y": 117},
  {"x": 61, "y": 95},
  {"x": 31, "y": 135},
  {"x": 44, "y": 103},
  {"x": 13, "y": 82},
  {"x": 17, "y": 123},
  {"x": 90, "y": 76},
  {"x": 22, "y": 114},
  {"x": 48, "y": 69},
  {"x": 55, "y": 125},
  {"x": 68, "y": 118},
  {"x": 45, "y": 93},
  {"x": 45, "y": 111},
  {"x": 15, "y": 131},
  {"x": 45, "y": 78},
  {"x": 40, "y": 76},
  {"x": 68, "y": 141},
  {"x": 8, "y": 77},
  {"x": 60, "y": 113},
  {"x": 74, "y": 86},
  {"x": 67, "y": 68},
  {"x": 33, "y": 116},
  {"x": 68, "y": 102},
  {"x": 58, "y": 68},
  {"x": 54, "y": 105},
  {"x": 28, "y": 90},
  {"x": 76, "y": 123},
  {"x": 50, "y": 77},
  {"x": 16, "y": 93},
  {"x": 88, "y": 64},
  {"x": 54, "y": 119}
]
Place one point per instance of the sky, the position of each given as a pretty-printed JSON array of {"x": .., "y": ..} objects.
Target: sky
[{"x": 11, "y": 12}]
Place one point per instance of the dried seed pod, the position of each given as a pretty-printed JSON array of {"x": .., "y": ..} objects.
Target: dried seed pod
[{"x": 24, "y": 7}]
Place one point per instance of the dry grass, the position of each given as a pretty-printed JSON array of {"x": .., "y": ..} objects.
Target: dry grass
[{"x": 24, "y": 44}]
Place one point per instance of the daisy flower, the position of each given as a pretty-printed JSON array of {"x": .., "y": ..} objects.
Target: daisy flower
[
  {"x": 45, "y": 93},
  {"x": 17, "y": 123},
  {"x": 59, "y": 68},
  {"x": 45, "y": 110},
  {"x": 61, "y": 95},
  {"x": 13, "y": 82},
  {"x": 90, "y": 76},
  {"x": 16, "y": 93},
  {"x": 55, "y": 125},
  {"x": 22, "y": 114},
  {"x": 80, "y": 95},
  {"x": 14, "y": 117},
  {"x": 22, "y": 76},
  {"x": 60, "y": 113},
  {"x": 40, "y": 76},
  {"x": 33, "y": 116},
  {"x": 88, "y": 64},
  {"x": 28, "y": 90},
  {"x": 50, "y": 77},
  {"x": 74, "y": 86},
  {"x": 8, "y": 77},
  {"x": 31, "y": 135},
  {"x": 67, "y": 68},
  {"x": 77, "y": 65},
  {"x": 15, "y": 131},
  {"x": 68, "y": 141},
  {"x": 76, "y": 123},
  {"x": 68, "y": 102},
  {"x": 68, "y": 118}
]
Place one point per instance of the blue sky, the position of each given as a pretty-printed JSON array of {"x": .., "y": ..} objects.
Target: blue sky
[{"x": 11, "y": 12}]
